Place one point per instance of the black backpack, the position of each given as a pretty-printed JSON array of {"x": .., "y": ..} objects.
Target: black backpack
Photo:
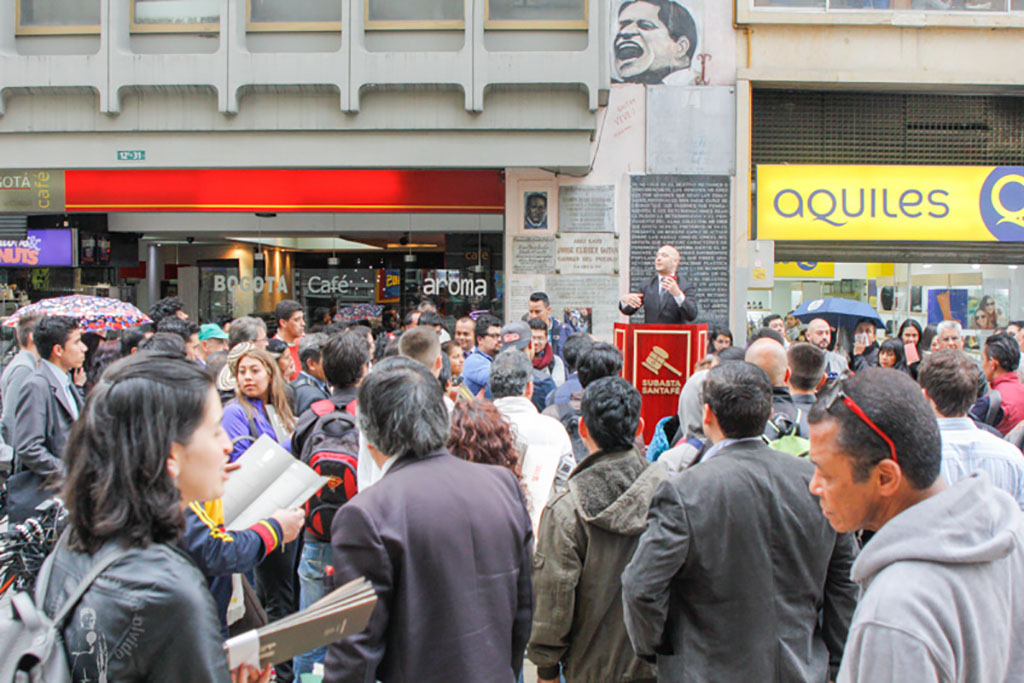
[
  {"x": 570, "y": 419},
  {"x": 331, "y": 450}
]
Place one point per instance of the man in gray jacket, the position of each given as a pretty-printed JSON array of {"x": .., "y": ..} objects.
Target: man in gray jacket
[
  {"x": 18, "y": 370},
  {"x": 737, "y": 577},
  {"x": 587, "y": 534},
  {"x": 941, "y": 577}
]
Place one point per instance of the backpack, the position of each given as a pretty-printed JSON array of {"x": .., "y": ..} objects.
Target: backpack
[
  {"x": 788, "y": 439},
  {"x": 32, "y": 644},
  {"x": 570, "y": 419},
  {"x": 331, "y": 450}
]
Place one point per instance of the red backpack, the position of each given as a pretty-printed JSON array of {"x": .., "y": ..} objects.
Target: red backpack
[{"x": 332, "y": 450}]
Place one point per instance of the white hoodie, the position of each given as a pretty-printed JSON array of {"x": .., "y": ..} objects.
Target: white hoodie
[{"x": 942, "y": 592}]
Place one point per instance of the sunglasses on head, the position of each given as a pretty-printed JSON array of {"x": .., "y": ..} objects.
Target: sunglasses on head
[{"x": 835, "y": 394}]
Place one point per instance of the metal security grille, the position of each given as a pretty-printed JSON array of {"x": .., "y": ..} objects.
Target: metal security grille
[{"x": 804, "y": 127}]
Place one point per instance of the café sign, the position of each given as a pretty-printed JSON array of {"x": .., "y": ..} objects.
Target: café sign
[{"x": 31, "y": 190}]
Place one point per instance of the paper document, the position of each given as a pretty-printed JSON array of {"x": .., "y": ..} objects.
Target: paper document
[
  {"x": 269, "y": 479},
  {"x": 343, "y": 612},
  {"x": 540, "y": 465}
]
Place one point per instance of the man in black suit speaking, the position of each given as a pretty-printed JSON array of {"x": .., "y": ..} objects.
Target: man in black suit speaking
[{"x": 664, "y": 298}]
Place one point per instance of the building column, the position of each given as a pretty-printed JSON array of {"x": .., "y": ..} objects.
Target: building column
[{"x": 154, "y": 268}]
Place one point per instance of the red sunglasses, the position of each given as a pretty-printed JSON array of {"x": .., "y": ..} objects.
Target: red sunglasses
[{"x": 836, "y": 393}]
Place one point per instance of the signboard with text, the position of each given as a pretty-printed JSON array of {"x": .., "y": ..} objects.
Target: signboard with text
[
  {"x": 31, "y": 191},
  {"x": 890, "y": 203},
  {"x": 40, "y": 248}
]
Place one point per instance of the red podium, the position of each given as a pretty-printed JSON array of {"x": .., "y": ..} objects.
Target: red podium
[{"x": 657, "y": 360}]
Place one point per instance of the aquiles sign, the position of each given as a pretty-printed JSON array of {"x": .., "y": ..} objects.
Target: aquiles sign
[{"x": 890, "y": 203}]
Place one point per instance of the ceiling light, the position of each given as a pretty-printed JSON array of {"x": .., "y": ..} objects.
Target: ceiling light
[{"x": 395, "y": 245}]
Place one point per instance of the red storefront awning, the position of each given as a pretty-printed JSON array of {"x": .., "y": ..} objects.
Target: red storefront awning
[{"x": 284, "y": 190}]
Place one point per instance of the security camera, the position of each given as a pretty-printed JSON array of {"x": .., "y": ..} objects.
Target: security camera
[{"x": 190, "y": 239}]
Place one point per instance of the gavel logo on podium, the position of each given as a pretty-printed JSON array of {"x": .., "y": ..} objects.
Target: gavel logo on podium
[{"x": 658, "y": 359}]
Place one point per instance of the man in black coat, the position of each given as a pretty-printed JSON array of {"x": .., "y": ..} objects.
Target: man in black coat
[
  {"x": 665, "y": 298},
  {"x": 447, "y": 544},
  {"x": 737, "y": 578},
  {"x": 46, "y": 405}
]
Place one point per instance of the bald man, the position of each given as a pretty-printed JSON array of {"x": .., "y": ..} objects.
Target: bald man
[
  {"x": 666, "y": 299},
  {"x": 770, "y": 356},
  {"x": 819, "y": 333}
]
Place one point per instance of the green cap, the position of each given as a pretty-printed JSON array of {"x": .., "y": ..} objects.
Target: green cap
[{"x": 211, "y": 331}]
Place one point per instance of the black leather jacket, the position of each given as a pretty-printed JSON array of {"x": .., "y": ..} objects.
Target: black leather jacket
[{"x": 148, "y": 617}]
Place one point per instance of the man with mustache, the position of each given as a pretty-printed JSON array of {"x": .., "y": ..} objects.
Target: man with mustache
[{"x": 655, "y": 38}]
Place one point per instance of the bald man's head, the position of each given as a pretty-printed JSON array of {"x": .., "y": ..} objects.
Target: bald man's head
[
  {"x": 770, "y": 356},
  {"x": 819, "y": 333},
  {"x": 667, "y": 260}
]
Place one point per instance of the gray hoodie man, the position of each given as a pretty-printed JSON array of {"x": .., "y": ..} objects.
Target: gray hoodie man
[{"x": 940, "y": 597}]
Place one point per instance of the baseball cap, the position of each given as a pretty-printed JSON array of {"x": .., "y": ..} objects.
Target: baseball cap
[
  {"x": 515, "y": 335},
  {"x": 211, "y": 331}
]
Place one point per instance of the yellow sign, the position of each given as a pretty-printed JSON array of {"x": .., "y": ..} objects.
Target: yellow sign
[
  {"x": 804, "y": 269},
  {"x": 890, "y": 203}
]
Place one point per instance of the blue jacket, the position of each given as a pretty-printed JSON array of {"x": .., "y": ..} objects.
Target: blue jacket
[
  {"x": 558, "y": 334},
  {"x": 219, "y": 553},
  {"x": 477, "y": 370},
  {"x": 564, "y": 392},
  {"x": 242, "y": 432}
]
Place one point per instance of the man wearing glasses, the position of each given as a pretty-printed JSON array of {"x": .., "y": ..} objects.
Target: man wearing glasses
[
  {"x": 940, "y": 578},
  {"x": 737, "y": 576},
  {"x": 477, "y": 370}
]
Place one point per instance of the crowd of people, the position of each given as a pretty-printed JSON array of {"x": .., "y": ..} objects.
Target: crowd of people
[{"x": 803, "y": 517}]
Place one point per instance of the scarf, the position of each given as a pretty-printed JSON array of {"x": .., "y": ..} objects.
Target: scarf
[{"x": 544, "y": 360}]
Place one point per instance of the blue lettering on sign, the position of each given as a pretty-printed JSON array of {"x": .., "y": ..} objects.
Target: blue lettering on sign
[
  {"x": 824, "y": 206},
  {"x": 1002, "y": 203}
]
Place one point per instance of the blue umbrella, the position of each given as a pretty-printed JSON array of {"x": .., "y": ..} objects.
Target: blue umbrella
[{"x": 840, "y": 313}]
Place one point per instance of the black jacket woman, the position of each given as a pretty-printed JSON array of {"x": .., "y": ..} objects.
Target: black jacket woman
[
  {"x": 910, "y": 333},
  {"x": 148, "y": 442}
]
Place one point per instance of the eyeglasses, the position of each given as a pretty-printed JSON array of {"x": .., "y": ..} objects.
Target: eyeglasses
[
  {"x": 835, "y": 393},
  {"x": 494, "y": 335}
]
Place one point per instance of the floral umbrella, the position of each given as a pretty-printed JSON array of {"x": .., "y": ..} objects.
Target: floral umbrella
[{"x": 94, "y": 313}]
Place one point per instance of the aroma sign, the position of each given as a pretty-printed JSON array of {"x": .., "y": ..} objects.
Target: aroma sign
[{"x": 464, "y": 288}]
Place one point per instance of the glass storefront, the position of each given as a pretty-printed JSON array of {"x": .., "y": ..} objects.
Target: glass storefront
[{"x": 981, "y": 297}]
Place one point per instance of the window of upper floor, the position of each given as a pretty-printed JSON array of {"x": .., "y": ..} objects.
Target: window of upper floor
[
  {"x": 203, "y": 16},
  {"x": 57, "y": 17},
  {"x": 897, "y": 12}
]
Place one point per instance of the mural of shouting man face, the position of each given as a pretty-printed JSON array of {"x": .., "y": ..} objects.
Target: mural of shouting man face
[{"x": 653, "y": 38}]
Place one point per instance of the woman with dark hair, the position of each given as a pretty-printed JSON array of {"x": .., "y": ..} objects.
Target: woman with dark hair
[
  {"x": 929, "y": 337},
  {"x": 106, "y": 353},
  {"x": 456, "y": 357},
  {"x": 987, "y": 316},
  {"x": 890, "y": 355},
  {"x": 261, "y": 401},
  {"x": 910, "y": 333},
  {"x": 479, "y": 433},
  {"x": 719, "y": 337},
  {"x": 148, "y": 442}
]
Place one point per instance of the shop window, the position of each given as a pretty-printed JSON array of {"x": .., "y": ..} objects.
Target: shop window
[
  {"x": 414, "y": 14},
  {"x": 175, "y": 16},
  {"x": 916, "y": 5},
  {"x": 981, "y": 297},
  {"x": 58, "y": 16},
  {"x": 216, "y": 302},
  {"x": 287, "y": 15},
  {"x": 536, "y": 14}
]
